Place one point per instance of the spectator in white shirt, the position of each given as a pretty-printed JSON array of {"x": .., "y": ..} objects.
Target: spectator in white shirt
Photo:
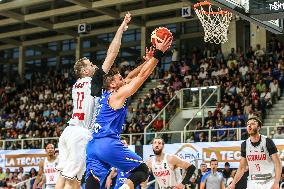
[
  {"x": 259, "y": 52},
  {"x": 20, "y": 123},
  {"x": 274, "y": 89},
  {"x": 175, "y": 55},
  {"x": 265, "y": 98},
  {"x": 202, "y": 73},
  {"x": 279, "y": 134},
  {"x": 215, "y": 73},
  {"x": 9, "y": 123},
  {"x": 243, "y": 70},
  {"x": 204, "y": 65},
  {"x": 223, "y": 71}
]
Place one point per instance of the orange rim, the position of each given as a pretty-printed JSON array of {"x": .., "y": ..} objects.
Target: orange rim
[{"x": 206, "y": 3}]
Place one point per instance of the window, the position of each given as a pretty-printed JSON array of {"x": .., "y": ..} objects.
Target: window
[
  {"x": 51, "y": 61},
  {"x": 86, "y": 44},
  {"x": 131, "y": 35},
  {"x": 172, "y": 27},
  {"x": 125, "y": 54},
  {"x": 66, "y": 60},
  {"x": 72, "y": 44},
  {"x": 34, "y": 62},
  {"x": 193, "y": 26},
  {"x": 65, "y": 45},
  {"x": 68, "y": 45},
  {"x": 52, "y": 46},
  {"x": 37, "y": 53},
  {"x": 16, "y": 53},
  {"x": 100, "y": 55},
  {"x": 6, "y": 54},
  {"x": 106, "y": 37},
  {"x": 31, "y": 52},
  {"x": 87, "y": 55}
]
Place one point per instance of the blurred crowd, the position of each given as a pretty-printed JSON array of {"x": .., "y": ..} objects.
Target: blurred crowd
[
  {"x": 251, "y": 81},
  {"x": 38, "y": 110},
  {"x": 9, "y": 179}
]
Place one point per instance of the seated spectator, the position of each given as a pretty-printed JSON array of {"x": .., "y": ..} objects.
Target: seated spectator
[
  {"x": 274, "y": 90},
  {"x": 158, "y": 124},
  {"x": 202, "y": 74},
  {"x": 184, "y": 68},
  {"x": 279, "y": 133},
  {"x": 177, "y": 84},
  {"x": 265, "y": 98},
  {"x": 227, "y": 172},
  {"x": 221, "y": 134}
]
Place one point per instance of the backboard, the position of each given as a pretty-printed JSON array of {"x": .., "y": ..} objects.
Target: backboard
[{"x": 242, "y": 9}]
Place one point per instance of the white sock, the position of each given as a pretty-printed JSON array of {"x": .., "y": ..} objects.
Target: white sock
[{"x": 124, "y": 186}]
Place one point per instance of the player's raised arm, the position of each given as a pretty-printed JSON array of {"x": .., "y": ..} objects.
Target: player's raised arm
[
  {"x": 115, "y": 44},
  {"x": 135, "y": 72},
  {"x": 117, "y": 99}
]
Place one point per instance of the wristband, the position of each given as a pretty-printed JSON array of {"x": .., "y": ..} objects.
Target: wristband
[
  {"x": 189, "y": 172},
  {"x": 158, "y": 54}
]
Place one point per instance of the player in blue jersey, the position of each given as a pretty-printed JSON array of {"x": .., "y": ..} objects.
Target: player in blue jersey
[
  {"x": 105, "y": 150},
  {"x": 120, "y": 175}
]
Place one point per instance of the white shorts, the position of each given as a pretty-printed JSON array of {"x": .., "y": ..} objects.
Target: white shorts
[
  {"x": 253, "y": 184},
  {"x": 72, "y": 152}
]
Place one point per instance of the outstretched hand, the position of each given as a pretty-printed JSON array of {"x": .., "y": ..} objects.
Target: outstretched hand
[
  {"x": 231, "y": 186},
  {"x": 149, "y": 54},
  {"x": 179, "y": 186},
  {"x": 165, "y": 44},
  {"x": 126, "y": 20},
  {"x": 275, "y": 186}
]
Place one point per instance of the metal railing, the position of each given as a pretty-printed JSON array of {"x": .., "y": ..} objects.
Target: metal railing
[
  {"x": 28, "y": 143},
  {"x": 161, "y": 115},
  {"x": 186, "y": 98},
  {"x": 232, "y": 134},
  {"x": 200, "y": 109},
  {"x": 25, "y": 184}
]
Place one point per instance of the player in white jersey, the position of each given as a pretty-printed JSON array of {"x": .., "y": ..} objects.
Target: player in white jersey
[
  {"x": 166, "y": 167},
  {"x": 85, "y": 94},
  {"x": 47, "y": 169},
  {"x": 259, "y": 153}
]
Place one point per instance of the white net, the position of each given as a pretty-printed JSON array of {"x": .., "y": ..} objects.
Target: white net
[{"x": 215, "y": 23}]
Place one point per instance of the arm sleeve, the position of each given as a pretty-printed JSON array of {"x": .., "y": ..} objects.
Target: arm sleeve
[
  {"x": 204, "y": 177},
  {"x": 243, "y": 149},
  {"x": 271, "y": 146},
  {"x": 97, "y": 82}
]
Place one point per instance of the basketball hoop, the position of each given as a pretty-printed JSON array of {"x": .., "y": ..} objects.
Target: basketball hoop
[{"x": 215, "y": 23}]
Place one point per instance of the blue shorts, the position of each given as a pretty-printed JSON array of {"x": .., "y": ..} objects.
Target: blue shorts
[{"x": 104, "y": 153}]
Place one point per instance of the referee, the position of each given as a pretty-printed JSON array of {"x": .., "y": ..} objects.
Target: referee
[{"x": 213, "y": 179}]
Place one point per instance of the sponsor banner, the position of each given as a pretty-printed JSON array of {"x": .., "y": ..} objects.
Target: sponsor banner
[
  {"x": 27, "y": 159},
  {"x": 222, "y": 151}
]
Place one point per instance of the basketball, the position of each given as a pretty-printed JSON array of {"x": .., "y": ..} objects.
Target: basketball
[{"x": 159, "y": 34}]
